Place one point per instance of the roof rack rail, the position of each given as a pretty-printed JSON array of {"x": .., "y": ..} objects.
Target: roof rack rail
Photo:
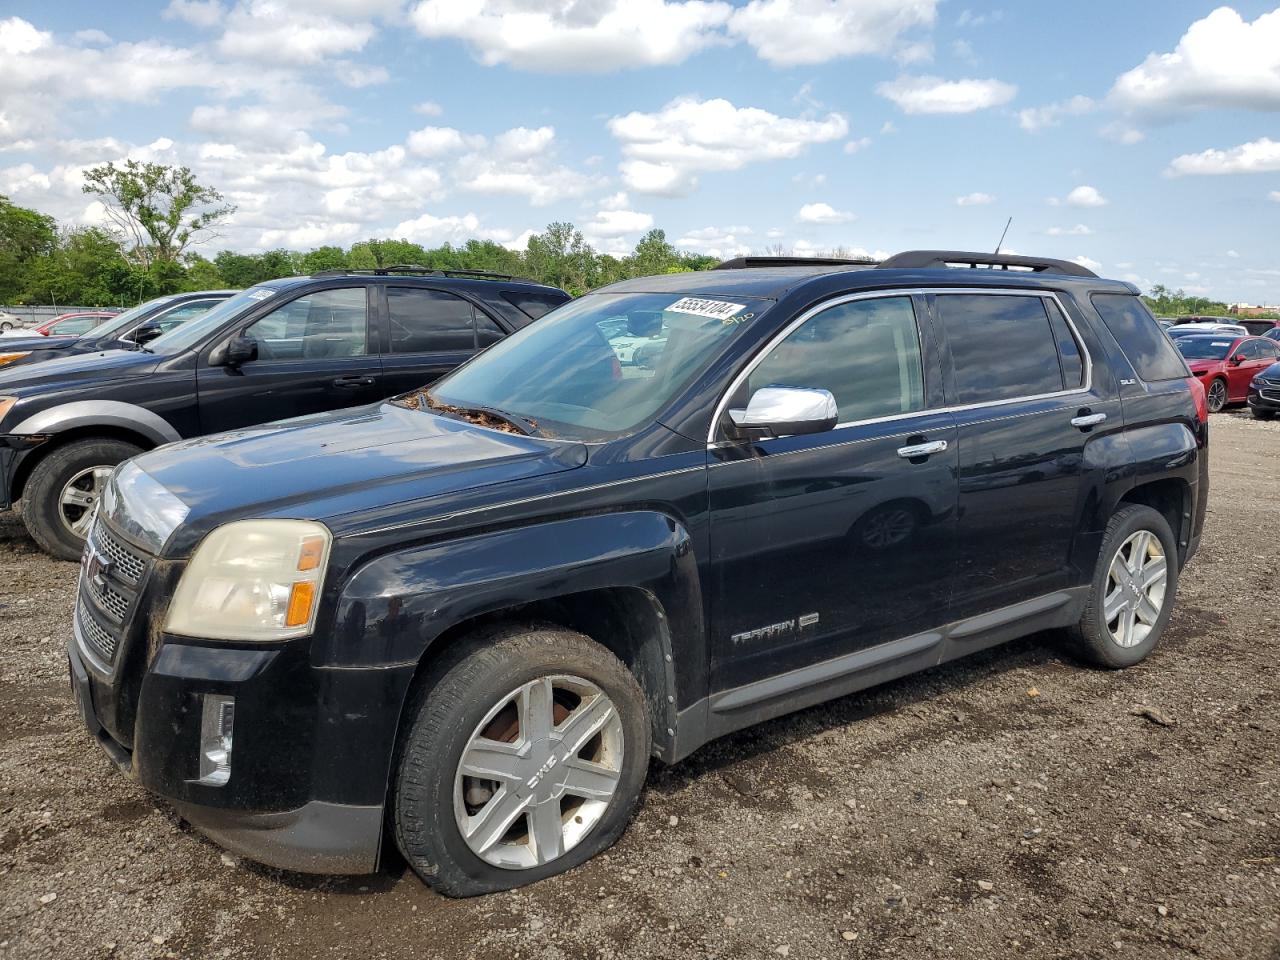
[
  {"x": 423, "y": 271},
  {"x": 929, "y": 259},
  {"x": 746, "y": 263}
]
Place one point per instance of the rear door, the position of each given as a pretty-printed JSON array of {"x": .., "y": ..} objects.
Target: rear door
[
  {"x": 314, "y": 354},
  {"x": 427, "y": 333},
  {"x": 1026, "y": 402}
]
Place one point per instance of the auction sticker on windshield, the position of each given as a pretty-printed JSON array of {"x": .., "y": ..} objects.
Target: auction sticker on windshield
[{"x": 715, "y": 309}]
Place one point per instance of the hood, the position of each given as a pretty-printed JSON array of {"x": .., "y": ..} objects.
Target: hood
[
  {"x": 107, "y": 365},
  {"x": 18, "y": 344},
  {"x": 331, "y": 464}
]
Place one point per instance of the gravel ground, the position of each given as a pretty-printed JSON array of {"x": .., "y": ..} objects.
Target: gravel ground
[{"x": 1014, "y": 804}]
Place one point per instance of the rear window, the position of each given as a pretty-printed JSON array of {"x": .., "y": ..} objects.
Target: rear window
[
  {"x": 534, "y": 305},
  {"x": 1004, "y": 347},
  {"x": 1149, "y": 350}
]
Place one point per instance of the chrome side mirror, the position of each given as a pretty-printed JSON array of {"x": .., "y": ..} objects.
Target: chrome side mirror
[{"x": 785, "y": 411}]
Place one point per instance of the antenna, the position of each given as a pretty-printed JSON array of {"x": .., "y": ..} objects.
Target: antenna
[{"x": 1003, "y": 235}]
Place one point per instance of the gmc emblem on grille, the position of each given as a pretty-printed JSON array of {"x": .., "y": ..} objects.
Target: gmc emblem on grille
[{"x": 98, "y": 571}]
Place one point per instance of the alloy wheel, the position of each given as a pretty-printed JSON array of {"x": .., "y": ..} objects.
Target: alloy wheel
[
  {"x": 78, "y": 498},
  {"x": 538, "y": 772},
  {"x": 1136, "y": 583},
  {"x": 1217, "y": 396}
]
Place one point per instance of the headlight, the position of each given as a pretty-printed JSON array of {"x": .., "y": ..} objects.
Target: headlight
[
  {"x": 253, "y": 580},
  {"x": 10, "y": 357}
]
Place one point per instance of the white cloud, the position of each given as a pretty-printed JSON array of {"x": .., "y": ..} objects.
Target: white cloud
[
  {"x": 441, "y": 141},
  {"x": 823, "y": 213},
  {"x": 594, "y": 37},
  {"x": 1079, "y": 230},
  {"x": 1082, "y": 196},
  {"x": 198, "y": 13},
  {"x": 275, "y": 32},
  {"x": 936, "y": 95},
  {"x": 92, "y": 38},
  {"x": 358, "y": 75},
  {"x": 1274, "y": 195},
  {"x": 666, "y": 151},
  {"x": 919, "y": 52},
  {"x": 975, "y": 200},
  {"x": 1087, "y": 263},
  {"x": 963, "y": 50},
  {"x": 430, "y": 230},
  {"x": 790, "y": 32},
  {"x": 1033, "y": 119},
  {"x": 723, "y": 242},
  {"x": 312, "y": 234},
  {"x": 428, "y": 108},
  {"x": 617, "y": 223},
  {"x": 1221, "y": 61},
  {"x": 853, "y": 146},
  {"x": 617, "y": 201},
  {"x": 523, "y": 142},
  {"x": 1258, "y": 156},
  {"x": 1233, "y": 255},
  {"x": 1122, "y": 133}
]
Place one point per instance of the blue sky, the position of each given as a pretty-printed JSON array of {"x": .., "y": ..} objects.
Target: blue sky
[{"x": 1140, "y": 136}]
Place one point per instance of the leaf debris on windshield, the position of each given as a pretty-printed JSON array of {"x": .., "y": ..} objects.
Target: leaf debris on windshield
[{"x": 421, "y": 400}]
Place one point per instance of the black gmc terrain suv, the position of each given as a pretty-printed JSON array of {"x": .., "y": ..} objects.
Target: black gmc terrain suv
[
  {"x": 461, "y": 621},
  {"x": 280, "y": 349}
]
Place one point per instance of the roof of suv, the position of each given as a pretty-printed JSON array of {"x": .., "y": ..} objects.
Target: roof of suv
[
  {"x": 771, "y": 278},
  {"x": 477, "y": 280}
]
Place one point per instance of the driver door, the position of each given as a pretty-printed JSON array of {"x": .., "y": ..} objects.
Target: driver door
[
  {"x": 314, "y": 354},
  {"x": 828, "y": 543}
]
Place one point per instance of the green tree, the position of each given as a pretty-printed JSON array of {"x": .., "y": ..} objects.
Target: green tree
[
  {"x": 323, "y": 258},
  {"x": 202, "y": 274},
  {"x": 158, "y": 210},
  {"x": 87, "y": 269},
  {"x": 246, "y": 269},
  {"x": 653, "y": 255},
  {"x": 25, "y": 236},
  {"x": 562, "y": 257}
]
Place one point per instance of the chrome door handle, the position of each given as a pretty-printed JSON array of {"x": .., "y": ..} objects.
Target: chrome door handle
[
  {"x": 1088, "y": 420},
  {"x": 922, "y": 449}
]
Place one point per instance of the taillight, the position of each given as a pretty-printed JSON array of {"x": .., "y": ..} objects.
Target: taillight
[{"x": 1202, "y": 402}]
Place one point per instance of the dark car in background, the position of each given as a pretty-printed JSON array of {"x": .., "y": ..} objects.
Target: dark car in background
[
  {"x": 463, "y": 622},
  {"x": 135, "y": 327},
  {"x": 1225, "y": 363},
  {"x": 284, "y": 348},
  {"x": 1264, "y": 393}
]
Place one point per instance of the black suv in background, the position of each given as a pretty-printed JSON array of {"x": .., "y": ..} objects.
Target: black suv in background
[
  {"x": 134, "y": 327},
  {"x": 465, "y": 619},
  {"x": 280, "y": 349}
]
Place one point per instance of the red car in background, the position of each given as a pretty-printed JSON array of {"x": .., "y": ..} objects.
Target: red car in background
[
  {"x": 1226, "y": 364},
  {"x": 74, "y": 324}
]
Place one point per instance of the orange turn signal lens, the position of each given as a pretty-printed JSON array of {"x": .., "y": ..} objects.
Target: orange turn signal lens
[
  {"x": 310, "y": 554},
  {"x": 301, "y": 598}
]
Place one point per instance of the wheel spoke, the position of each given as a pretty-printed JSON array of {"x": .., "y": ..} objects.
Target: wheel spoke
[
  {"x": 100, "y": 477},
  {"x": 536, "y": 706},
  {"x": 1156, "y": 570},
  {"x": 1147, "y": 611},
  {"x": 546, "y": 830},
  {"x": 493, "y": 760},
  {"x": 81, "y": 526},
  {"x": 594, "y": 781},
  {"x": 1113, "y": 604},
  {"x": 1138, "y": 552},
  {"x": 1127, "y": 618},
  {"x": 75, "y": 497},
  {"x": 585, "y": 722},
  {"x": 494, "y": 819}
]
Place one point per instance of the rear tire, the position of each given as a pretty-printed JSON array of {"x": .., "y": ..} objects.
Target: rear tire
[
  {"x": 1132, "y": 594},
  {"x": 549, "y": 805},
  {"x": 1216, "y": 397},
  {"x": 63, "y": 489}
]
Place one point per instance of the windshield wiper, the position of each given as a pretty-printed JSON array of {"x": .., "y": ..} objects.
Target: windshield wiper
[{"x": 481, "y": 416}]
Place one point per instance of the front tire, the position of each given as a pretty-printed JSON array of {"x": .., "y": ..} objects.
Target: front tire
[
  {"x": 1134, "y": 584},
  {"x": 1216, "y": 398},
  {"x": 526, "y": 757},
  {"x": 63, "y": 489}
]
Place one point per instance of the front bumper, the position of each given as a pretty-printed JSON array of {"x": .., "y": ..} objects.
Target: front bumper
[
  {"x": 1265, "y": 398},
  {"x": 311, "y": 757}
]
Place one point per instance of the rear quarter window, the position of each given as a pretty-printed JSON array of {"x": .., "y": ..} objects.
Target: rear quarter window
[
  {"x": 534, "y": 305},
  {"x": 1147, "y": 347}
]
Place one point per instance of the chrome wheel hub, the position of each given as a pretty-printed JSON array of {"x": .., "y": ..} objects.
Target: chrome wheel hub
[
  {"x": 80, "y": 496},
  {"x": 538, "y": 772},
  {"x": 1136, "y": 584}
]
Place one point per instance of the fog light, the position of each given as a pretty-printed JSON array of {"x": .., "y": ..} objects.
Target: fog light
[{"x": 217, "y": 715}]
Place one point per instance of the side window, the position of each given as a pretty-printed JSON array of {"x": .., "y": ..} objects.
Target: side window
[
  {"x": 323, "y": 324},
  {"x": 1250, "y": 350},
  {"x": 487, "y": 332},
  {"x": 1270, "y": 350},
  {"x": 1069, "y": 356},
  {"x": 424, "y": 321},
  {"x": 180, "y": 315},
  {"x": 534, "y": 305},
  {"x": 1002, "y": 347},
  {"x": 866, "y": 352},
  {"x": 1153, "y": 355}
]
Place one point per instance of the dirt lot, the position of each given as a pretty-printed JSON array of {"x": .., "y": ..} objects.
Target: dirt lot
[{"x": 1010, "y": 805}]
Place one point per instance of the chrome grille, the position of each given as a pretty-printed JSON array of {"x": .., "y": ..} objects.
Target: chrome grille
[
  {"x": 129, "y": 563},
  {"x": 99, "y": 641},
  {"x": 1270, "y": 394}
]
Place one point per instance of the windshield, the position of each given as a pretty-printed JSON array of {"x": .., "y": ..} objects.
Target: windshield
[
  {"x": 125, "y": 320},
  {"x": 186, "y": 335},
  {"x": 601, "y": 365},
  {"x": 1204, "y": 348}
]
